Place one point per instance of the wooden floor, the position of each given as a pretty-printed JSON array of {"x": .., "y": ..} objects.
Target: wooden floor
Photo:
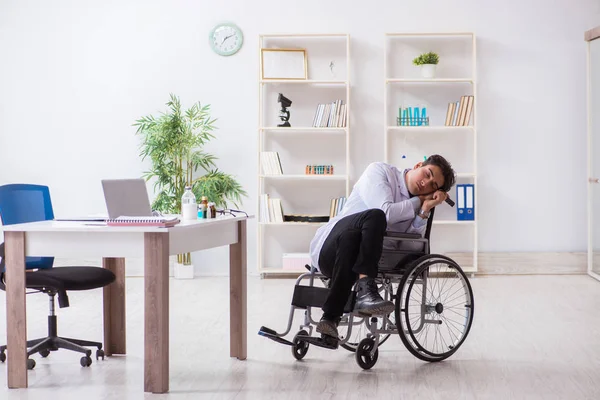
[{"x": 533, "y": 337}]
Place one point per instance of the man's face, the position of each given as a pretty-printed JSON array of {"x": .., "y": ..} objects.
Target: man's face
[{"x": 424, "y": 180}]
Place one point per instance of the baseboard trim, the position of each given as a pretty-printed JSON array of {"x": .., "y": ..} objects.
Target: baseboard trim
[
  {"x": 496, "y": 263},
  {"x": 525, "y": 263}
]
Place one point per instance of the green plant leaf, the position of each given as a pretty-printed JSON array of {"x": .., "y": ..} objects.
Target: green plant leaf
[
  {"x": 426, "y": 58},
  {"x": 172, "y": 141}
]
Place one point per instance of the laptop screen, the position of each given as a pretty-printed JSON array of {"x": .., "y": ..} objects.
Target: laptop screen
[{"x": 126, "y": 197}]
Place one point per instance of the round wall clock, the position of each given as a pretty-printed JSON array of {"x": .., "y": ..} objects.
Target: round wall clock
[{"x": 226, "y": 39}]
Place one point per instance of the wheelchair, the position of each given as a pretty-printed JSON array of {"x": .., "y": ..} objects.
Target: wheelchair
[{"x": 433, "y": 301}]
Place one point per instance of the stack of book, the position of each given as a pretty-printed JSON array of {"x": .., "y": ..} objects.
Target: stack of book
[
  {"x": 270, "y": 209},
  {"x": 319, "y": 170},
  {"x": 330, "y": 115},
  {"x": 336, "y": 206},
  {"x": 459, "y": 113},
  {"x": 270, "y": 163}
]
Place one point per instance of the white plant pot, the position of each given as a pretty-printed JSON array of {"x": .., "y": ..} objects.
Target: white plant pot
[
  {"x": 428, "y": 70},
  {"x": 182, "y": 271}
]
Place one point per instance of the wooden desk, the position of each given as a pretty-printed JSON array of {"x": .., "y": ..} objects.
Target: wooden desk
[{"x": 113, "y": 244}]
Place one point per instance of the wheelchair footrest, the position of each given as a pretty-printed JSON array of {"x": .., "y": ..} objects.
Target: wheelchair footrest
[
  {"x": 325, "y": 341},
  {"x": 271, "y": 334}
]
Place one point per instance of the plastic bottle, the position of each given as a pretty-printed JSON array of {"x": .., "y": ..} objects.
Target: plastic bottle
[{"x": 189, "y": 208}]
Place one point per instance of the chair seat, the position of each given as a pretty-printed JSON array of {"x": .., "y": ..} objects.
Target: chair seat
[{"x": 70, "y": 278}]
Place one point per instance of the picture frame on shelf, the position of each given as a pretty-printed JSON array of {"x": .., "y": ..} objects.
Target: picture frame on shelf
[{"x": 283, "y": 64}]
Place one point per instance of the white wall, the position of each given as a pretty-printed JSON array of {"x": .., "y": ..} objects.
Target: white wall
[{"x": 74, "y": 75}]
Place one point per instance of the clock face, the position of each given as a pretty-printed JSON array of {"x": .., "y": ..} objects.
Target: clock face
[{"x": 226, "y": 39}]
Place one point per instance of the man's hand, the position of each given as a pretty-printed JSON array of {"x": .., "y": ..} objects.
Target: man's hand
[
  {"x": 425, "y": 197},
  {"x": 436, "y": 198}
]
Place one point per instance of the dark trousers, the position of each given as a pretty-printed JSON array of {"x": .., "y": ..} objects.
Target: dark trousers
[{"x": 353, "y": 247}]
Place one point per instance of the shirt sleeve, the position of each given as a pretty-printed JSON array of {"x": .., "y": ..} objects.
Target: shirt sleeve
[{"x": 375, "y": 191}]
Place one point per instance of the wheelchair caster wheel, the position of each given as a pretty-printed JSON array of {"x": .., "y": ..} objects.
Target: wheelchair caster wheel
[
  {"x": 2, "y": 357},
  {"x": 299, "y": 347},
  {"x": 85, "y": 361},
  {"x": 363, "y": 354},
  {"x": 30, "y": 363},
  {"x": 44, "y": 353},
  {"x": 99, "y": 354}
]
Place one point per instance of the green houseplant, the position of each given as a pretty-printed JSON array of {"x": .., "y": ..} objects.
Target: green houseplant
[
  {"x": 173, "y": 143},
  {"x": 427, "y": 62}
]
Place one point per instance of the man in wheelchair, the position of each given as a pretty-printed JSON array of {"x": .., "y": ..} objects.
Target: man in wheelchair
[{"x": 349, "y": 246}]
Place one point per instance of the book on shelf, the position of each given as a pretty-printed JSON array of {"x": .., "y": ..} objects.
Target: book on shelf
[
  {"x": 271, "y": 209},
  {"x": 270, "y": 163},
  {"x": 336, "y": 206},
  {"x": 330, "y": 115},
  {"x": 459, "y": 113},
  {"x": 164, "y": 222}
]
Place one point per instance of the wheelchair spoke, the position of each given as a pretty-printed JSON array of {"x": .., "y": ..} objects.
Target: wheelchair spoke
[
  {"x": 453, "y": 294},
  {"x": 449, "y": 289},
  {"x": 451, "y": 328}
]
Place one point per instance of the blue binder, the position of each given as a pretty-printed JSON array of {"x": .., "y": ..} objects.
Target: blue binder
[{"x": 465, "y": 202}]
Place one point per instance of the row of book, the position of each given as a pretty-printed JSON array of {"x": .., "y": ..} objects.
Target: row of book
[
  {"x": 270, "y": 209},
  {"x": 270, "y": 163},
  {"x": 336, "y": 206},
  {"x": 319, "y": 170},
  {"x": 459, "y": 113},
  {"x": 330, "y": 115}
]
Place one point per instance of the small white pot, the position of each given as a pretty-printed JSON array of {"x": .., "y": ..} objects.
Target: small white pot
[{"x": 428, "y": 70}]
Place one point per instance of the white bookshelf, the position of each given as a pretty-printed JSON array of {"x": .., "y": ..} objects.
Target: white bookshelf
[
  {"x": 302, "y": 144},
  {"x": 404, "y": 146}
]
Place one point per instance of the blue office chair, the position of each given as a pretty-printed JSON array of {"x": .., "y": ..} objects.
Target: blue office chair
[{"x": 20, "y": 203}]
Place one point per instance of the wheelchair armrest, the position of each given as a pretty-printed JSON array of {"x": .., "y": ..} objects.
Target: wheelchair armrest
[{"x": 402, "y": 235}]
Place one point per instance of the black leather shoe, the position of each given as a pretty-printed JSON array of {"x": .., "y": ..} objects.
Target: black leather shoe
[
  {"x": 368, "y": 299},
  {"x": 328, "y": 327}
]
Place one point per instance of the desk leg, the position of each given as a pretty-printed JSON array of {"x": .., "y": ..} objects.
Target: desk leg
[
  {"x": 237, "y": 295},
  {"x": 114, "y": 308},
  {"x": 16, "y": 311},
  {"x": 156, "y": 312}
]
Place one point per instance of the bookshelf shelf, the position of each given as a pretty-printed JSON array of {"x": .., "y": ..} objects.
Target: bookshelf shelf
[
  {"x": 456, "y": 76},
  {"x": 307, "y": 177},
  {"x": 301, "y": 145},
  {"x": 304, "y": 82},
  {"x": 429, "y": 81},
  {"x": 429, "y": 35},
  {"x": 316, "y": 224},
  {"x": 280, "y": 271},
  {"x": 452, "y": 222},
  {"x": 429, "y": 128},
  {"x": 310, "y": 129}
]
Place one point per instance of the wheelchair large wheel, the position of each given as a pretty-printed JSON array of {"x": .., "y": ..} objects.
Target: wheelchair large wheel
[{"x": 434, "y": 308}]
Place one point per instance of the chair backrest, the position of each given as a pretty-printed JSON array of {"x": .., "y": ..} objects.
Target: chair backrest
[{"x": 20, "y": 203}]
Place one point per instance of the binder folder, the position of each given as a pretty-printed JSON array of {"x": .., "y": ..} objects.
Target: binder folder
[{"x": 465, "y": 210}]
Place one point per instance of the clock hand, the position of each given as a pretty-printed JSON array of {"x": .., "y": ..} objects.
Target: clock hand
[{"x": 226, "y": 37}]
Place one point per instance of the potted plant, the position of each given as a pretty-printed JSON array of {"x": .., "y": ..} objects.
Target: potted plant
[
  {"x": 428, "y": 63},
  {"x": 173, "y": 142}
]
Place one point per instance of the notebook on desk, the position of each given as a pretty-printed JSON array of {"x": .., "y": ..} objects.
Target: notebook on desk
[{"x": 165, "y": 222}]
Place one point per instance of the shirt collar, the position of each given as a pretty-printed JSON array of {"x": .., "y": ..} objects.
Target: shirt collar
[{"x": 402, "y": 183}]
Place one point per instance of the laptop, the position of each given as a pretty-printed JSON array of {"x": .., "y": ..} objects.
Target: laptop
[{"x": 126, "y": 197}]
